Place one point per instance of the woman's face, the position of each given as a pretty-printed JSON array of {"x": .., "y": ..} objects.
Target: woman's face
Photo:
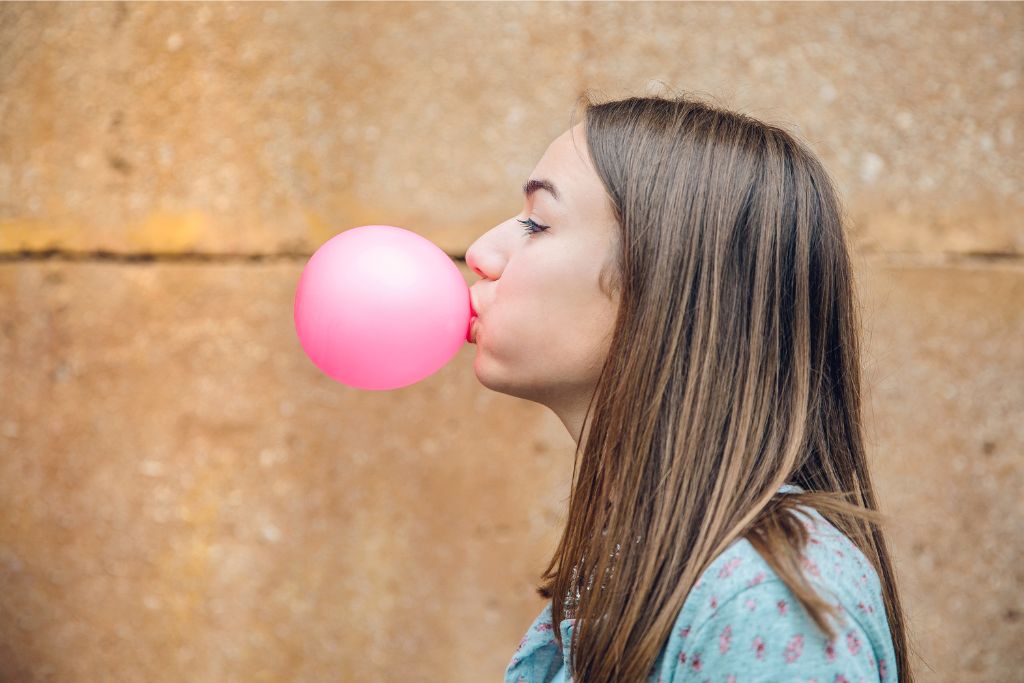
[{"x": 543, "y": 323}]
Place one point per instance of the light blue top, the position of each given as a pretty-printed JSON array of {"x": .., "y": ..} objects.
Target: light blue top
[{"x": 742, "y": 624}]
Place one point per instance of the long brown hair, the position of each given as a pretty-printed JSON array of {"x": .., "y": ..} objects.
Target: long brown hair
[{"x": 734, "y": 367}]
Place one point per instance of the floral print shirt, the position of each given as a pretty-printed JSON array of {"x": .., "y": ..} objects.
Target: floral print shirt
[{"x": 742, "y": 624}]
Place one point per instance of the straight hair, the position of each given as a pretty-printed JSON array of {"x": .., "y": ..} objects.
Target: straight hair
[{"x": 734, "y": 367}]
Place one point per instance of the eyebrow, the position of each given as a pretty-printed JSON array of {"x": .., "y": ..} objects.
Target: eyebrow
[{"x": 534, "y": 184}]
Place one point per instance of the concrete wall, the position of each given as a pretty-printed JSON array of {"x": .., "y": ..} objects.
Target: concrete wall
[{"x": 184, "y": 496}]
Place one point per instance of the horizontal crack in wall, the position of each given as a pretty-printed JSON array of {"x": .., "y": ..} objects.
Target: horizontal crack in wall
[{"x": 910, "y": 258}]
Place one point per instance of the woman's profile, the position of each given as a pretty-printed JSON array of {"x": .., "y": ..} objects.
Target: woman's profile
[{"x": 678, "y": 291}]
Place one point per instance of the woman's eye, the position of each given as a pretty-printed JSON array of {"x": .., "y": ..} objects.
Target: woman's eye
[{"x": 531, "y": 226}]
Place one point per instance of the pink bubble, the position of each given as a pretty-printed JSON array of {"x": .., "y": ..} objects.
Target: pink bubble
[{"x": 379, "y": 307}]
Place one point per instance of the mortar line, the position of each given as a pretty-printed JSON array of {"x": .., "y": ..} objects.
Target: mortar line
[{"x": 67, "y": 255}]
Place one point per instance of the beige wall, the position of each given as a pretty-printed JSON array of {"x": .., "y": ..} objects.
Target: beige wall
[{"x": 185, "y": 497}]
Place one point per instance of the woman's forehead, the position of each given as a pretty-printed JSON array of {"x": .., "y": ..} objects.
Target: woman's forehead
[{"x": 565, "y": 164}]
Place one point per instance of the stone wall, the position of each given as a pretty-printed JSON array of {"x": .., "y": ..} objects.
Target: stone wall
[{"x": 184, "y": 496}]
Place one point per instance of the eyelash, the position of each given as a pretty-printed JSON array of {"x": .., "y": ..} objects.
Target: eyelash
[{"x": 532, "y": 227}]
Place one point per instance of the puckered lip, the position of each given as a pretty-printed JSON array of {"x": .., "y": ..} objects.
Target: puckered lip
[
  {"x": 473, "y": 309},
  {"x": 474, "y": 315}
]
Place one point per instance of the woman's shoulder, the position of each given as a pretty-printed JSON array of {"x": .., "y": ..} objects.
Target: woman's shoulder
[
  {"x": 830, "y": 561},
  {"x": 741, "y": 608}
]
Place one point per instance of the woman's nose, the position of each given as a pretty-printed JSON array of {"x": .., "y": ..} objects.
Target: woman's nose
[
  {"x": 471, "y": 261},
  {"x": 476, "y": 258},
  {"x": 486, "y": 255}
]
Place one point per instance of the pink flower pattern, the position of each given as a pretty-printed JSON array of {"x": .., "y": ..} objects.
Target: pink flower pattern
[
  {"x": 728, "y": 567},
  {"x": 865, "y": 608},
  {"x": 852, "y": 643},
  {"x": 724, "y": 638},
  {"x": 758, "y": 647},
  {"x": 738, "y": 601},
  {"x": 758, "y": 578},
  {"x": 794, "y": 648}
]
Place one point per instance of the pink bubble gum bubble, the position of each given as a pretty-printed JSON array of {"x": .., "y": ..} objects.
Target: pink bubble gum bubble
[{"x": 379, "y": 307}]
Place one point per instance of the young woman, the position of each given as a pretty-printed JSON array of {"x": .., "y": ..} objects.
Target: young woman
[{"x": 683, "y": 300}]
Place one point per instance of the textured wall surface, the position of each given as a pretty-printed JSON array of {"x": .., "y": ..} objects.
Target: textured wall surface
[{"x": 185, "y": 497}]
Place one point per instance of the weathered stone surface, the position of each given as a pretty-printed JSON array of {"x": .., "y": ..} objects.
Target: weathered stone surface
[
  {"x": 183, "y": 495},
  {"x": 265, "y": 128},
  {"x": 262, "y": 127},
  {"x": 915, "y": 108},
  {"x": 944, "y": 371}
]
